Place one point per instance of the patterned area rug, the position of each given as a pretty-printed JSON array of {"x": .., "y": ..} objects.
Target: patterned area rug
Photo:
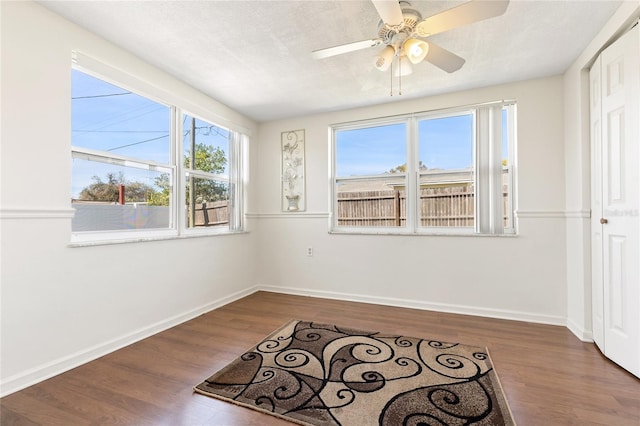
[{"x": 322, "y": 374}]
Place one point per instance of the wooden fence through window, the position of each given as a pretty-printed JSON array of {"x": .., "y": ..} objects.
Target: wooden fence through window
[
  {"x": 452, "y": 206},
  {"x": 213, "y": 213}
]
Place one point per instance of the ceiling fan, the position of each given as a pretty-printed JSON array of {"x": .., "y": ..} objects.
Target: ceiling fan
[{"x": 402, "y": 31}]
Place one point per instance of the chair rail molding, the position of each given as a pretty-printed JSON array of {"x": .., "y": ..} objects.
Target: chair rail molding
[
  {"x": 550, "y": 214},
  {"x": 36, "y": 213}
]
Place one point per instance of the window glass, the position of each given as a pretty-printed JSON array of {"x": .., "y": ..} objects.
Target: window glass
[
  {"x": 121, "y": 141},
  {"x": 120, "y": 197},
  {"x": 206, "y": 148},
  {"x": 208, "y": 142},
  {"x": 371, "y": 169},
  {"x": 446, "y": 171},
  {"x": 210, "y": 205},
  {"x": 371, "y": 150},
  {"x": 108, "y": 118}
]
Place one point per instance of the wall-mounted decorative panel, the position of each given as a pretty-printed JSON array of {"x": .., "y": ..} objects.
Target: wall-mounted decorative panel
[{"x": 293, "y": 179}]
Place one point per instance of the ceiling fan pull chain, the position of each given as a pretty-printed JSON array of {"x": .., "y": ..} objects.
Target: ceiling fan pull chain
[
  {"x": 399, "y": 76},
  {"x": 391, "y": 79}
]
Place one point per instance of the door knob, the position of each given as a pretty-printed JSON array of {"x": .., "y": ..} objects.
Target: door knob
[{"x": 603, "y": 221}]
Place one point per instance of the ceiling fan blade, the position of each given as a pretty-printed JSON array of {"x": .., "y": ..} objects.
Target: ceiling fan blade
[
  {"x": 444, "y": 59},
  {"x": 389, "y": 10},
  {"x": 465, "y": 14},
  {"x": 345, "y": 48}
]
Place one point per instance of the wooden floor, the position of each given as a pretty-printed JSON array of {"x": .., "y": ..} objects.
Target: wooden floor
[{"x": 548, "y": 375}]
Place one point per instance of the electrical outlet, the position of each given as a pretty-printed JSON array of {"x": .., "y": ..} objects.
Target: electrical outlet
[{"x": 309, "y": 251}]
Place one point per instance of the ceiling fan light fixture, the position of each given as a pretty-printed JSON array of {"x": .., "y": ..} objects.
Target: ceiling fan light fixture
[
  {"x": 416, "y": 50},
  {"x": 384, "y": 59}
]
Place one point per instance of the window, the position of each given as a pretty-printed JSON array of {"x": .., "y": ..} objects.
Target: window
[
  {"x": 206, "y": 173},
  {"x": 444, "y": 172},
  {"x": 142, "y": 168}
]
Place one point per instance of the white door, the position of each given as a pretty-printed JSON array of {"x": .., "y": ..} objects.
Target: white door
[
  {"x": 597, "y": 282},
  {"x": 619, "y": 218}
]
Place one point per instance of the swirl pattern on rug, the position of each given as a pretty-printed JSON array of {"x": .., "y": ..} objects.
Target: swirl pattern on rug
[{"x": 323, "y": 374}]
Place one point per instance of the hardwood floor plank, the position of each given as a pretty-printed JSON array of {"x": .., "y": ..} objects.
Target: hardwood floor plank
[
  {"x": 42, "y": 412},
  {"x": 549, "y": 376},
  {"x": 9, "y": 417}
]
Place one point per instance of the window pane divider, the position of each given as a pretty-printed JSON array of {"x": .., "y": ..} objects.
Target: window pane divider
[
  {"x": 495, "y": 167},
  {"x": 94, "y": 155},
  {"x": 369, "y": 177},
  {"x": 206, "y": 175},
  {"x": 411, "y": 202}
]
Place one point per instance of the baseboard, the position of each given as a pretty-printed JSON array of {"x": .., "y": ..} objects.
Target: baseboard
[
  {"x": 428, "y": 306},
  {"x": 43, "y": 372},
  {"x": 580, "y": 333}
]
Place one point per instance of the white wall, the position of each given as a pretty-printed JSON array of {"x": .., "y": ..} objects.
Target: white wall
[
  {"x": 62, "y": 306},
  {"x": 515, "y": 277},
  {"x": 577, "y": 164}
]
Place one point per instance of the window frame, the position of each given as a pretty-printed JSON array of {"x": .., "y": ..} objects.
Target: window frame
[
  {"x": 178, "y": 226},
  {"x": 234, "y": 162},
  {"x": 485, "y": 132}
]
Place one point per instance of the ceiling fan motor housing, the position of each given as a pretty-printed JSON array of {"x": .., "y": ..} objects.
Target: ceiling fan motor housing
[{"x": 394, "y": 35}]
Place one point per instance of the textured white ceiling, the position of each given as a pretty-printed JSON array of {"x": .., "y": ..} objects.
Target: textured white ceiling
[{"x": 254, "y": 56}]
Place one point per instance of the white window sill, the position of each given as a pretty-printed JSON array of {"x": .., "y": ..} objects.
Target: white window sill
[
  {"x": 142, "y": 239},
  {"x": 417, "y": 234}
]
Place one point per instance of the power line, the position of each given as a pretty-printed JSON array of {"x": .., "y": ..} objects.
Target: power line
[
  {"x": 138, "y": 143},
  {"x": 115, "y": 118},
  {"x": 101, "y": 96},
  {"x": 119, "y": 131},
  {"x": 131, "y": 117},
  {"x": 210, "y": 130},
  {"x": 143, "y": 131},
  {"x": 139, "y": 131}
]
